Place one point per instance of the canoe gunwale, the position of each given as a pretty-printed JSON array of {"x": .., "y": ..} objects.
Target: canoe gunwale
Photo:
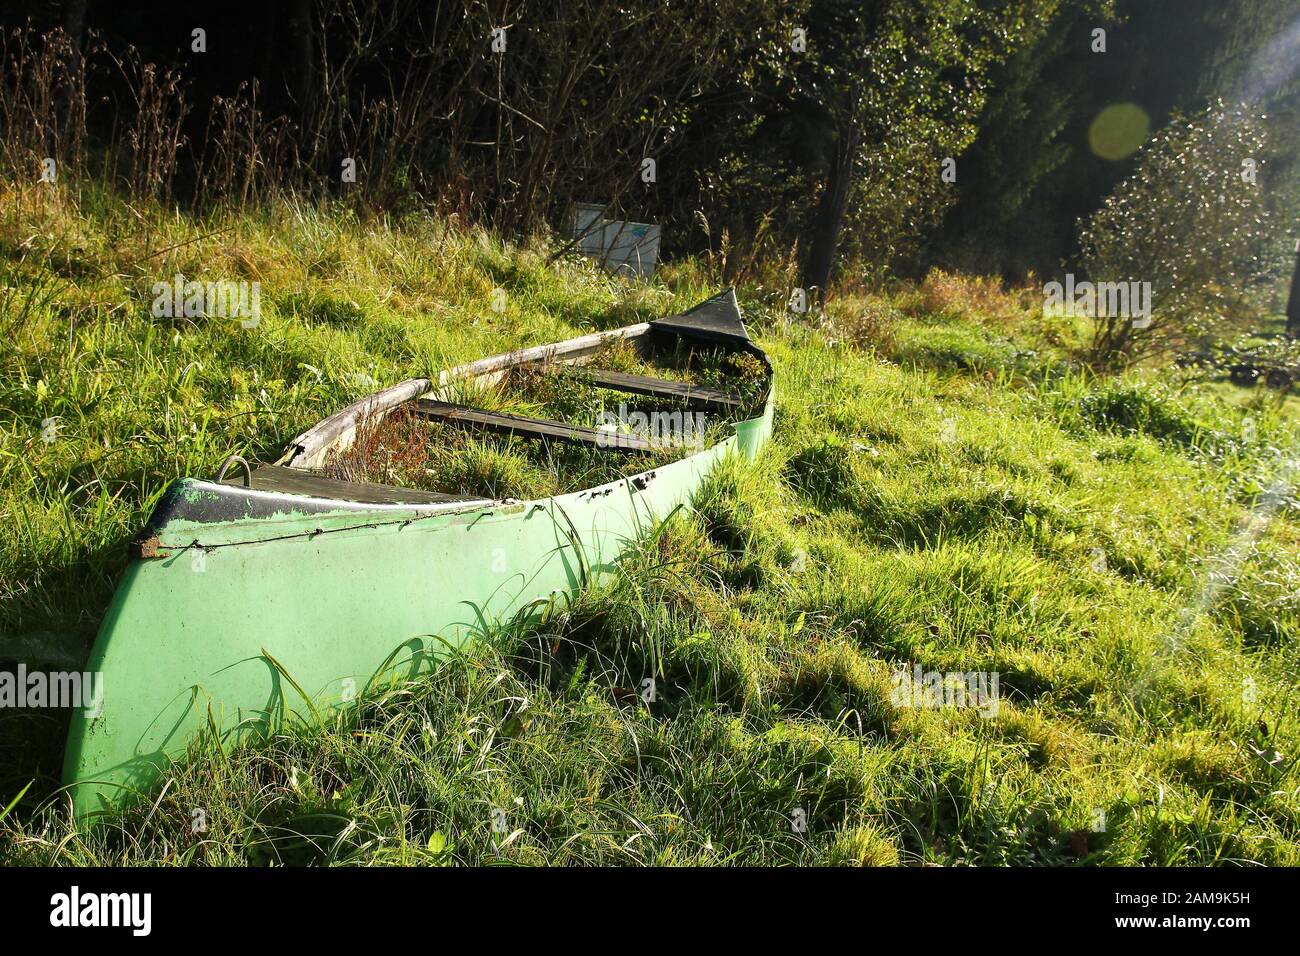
[
  {"x": 335, "y": 433},
  {"x": 191, "y": 503}
]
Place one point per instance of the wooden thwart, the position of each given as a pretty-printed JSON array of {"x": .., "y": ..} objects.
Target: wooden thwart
[
  {"x": 696, "y": 395},
  {"x": 505, "y": 423}
]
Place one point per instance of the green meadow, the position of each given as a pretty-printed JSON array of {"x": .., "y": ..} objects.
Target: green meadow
[{"x": 949, "y": 488}]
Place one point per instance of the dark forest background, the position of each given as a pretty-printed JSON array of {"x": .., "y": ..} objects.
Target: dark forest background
[{"x": 818, "y": 126}]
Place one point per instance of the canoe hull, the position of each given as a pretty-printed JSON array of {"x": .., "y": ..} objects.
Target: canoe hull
[{"x": 334, "y": 599}]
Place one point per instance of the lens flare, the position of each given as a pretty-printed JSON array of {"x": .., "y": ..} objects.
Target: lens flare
[{"x": 1119, "y": 131}]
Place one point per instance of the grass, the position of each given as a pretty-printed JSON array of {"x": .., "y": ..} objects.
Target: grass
[{"x": 946, "y": 487}]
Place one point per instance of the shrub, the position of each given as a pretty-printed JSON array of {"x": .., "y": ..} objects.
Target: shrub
[
  {"x": 870, "y": 325},
  {"x": 1192, "y": 225},
  {"x": 1133, "y": 408},
  {"x": 961, "y": 296}
]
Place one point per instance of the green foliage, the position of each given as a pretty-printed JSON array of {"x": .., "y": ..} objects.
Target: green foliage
[
  {"x": 1253, "y": 62},
  {"x": 1191, "y": 223},
  {"x": 1007, "y": 215},
  {"x": 844, "y": 142},
  {"x": 1138, "y": 408}
]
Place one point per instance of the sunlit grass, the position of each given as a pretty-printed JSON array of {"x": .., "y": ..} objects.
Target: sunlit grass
[{"x": 946, "y": 487}]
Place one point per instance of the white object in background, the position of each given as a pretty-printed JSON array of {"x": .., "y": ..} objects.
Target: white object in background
[{"x": 631, "y": 247}]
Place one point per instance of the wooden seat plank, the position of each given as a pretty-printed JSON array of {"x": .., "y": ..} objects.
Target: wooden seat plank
[
  {"x": 508, "y": 424},
  {"x": 687, "y": 392}
]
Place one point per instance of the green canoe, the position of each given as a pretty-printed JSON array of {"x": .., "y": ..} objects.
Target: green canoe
[{"x": 279, "y": 570}]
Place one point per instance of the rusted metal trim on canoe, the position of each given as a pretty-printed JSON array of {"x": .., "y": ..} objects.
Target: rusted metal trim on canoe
[{"x": 145, "y": 547}]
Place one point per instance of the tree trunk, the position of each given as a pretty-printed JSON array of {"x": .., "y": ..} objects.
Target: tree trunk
[
  {"x": 67, "y": 125},
  {"x": 831, "y": 210},
  {"x": 266, "y": 70},
  {"x": 74, "y": 23},
  {"x": 302, "y": 77}
]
